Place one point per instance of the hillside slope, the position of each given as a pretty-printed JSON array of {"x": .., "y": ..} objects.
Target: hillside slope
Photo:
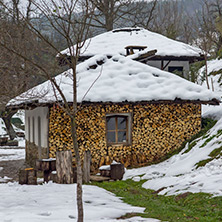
[
  {"x": 181, "y": 173},
  {"x": 198, "y": 167}
]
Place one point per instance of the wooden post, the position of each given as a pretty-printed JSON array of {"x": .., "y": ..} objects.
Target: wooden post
[
  {"x": 3, "y": 141},
  {"x": 117, "y": 171},
  {"x": 47, "y": 166},
  {"x": 64, "y": 167},
  {"x": 27, "y": 176},
  {"x": 86, "y": 167}
]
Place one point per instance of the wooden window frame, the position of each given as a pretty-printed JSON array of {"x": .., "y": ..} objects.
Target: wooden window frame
[
  {"x": 127, "y": 130},
  {"x": 176, "y": 68}
]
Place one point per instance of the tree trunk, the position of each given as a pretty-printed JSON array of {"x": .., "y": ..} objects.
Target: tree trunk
[
  {"x": 86, "y": 167},
  {"x": 206, "y": 71},
  {"x": 9, "y": 128},
  {"x": 79, "y": 171},
  {"x": 64, "y": 167},
  {"x": 109, "y": 12},
  {"x": 109, "y": 23}
]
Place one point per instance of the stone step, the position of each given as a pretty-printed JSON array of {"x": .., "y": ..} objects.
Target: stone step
[{"x": 97, "y": 178}]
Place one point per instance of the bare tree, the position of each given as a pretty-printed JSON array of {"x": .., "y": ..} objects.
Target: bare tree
[
  {"x": 112, "y": 13},
  {"x": 207, "y": 36},
  {"x": 70, "y": 19},
  {"x": 168, "y": 19},
  {"x": 143, "y": 14},
  {"x": 17, "y": 75}
]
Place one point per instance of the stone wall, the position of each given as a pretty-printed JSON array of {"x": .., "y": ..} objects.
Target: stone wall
[{"x": 156, "y": 130}]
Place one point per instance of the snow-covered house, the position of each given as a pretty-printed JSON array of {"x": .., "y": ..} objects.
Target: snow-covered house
[
  {"x": 148, "y": 47},
  {"x": 133, "y": 113}
]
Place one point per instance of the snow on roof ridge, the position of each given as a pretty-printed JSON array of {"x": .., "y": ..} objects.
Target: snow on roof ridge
[
  {"x": 127, "y": 29},
  {"x": 118, "y": 79}
]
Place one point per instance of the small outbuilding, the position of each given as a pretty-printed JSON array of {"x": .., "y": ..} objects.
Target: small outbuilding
[
  {"x": 142, "y": 45},
  {"x": 133, "y": 113}
]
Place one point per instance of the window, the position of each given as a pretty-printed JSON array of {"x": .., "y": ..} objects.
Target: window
[
  {"x": 178, "y": 70},
  {"x": 118, "y": 129}
]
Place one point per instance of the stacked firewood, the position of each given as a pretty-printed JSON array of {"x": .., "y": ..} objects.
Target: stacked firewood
[{"x": 156, "y": 130}]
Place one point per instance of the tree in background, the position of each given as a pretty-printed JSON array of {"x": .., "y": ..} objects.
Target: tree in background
[
  {"x": 143, "y": 14},
  {"x": 109, "y": 12},
  {"x": 168, "y": 19},
  {"x": 16, "y": 73},
  {"x": 71, "y": 20}
]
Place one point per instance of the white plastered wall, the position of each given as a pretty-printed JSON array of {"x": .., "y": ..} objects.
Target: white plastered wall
[
  {"x": 32, "y": 131},
  {"x": 184, "y": 64}
]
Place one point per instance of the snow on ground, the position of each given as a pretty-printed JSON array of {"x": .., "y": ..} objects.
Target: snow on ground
[
  {"x": 179, "y": 174},
  {"x": 214, "y": 65},
  {"x": 7, "y": 154},
  {"x": 5, "y": 179},
  {"x": 56, "y": 202},
  {"x": 21, "y": 115},
  {"x": 2, "y": 127}
]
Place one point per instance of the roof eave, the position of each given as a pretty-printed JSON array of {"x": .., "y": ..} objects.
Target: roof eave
[
  {"x": 35, "y": 104},
  {"x": 191, "y": 59}
]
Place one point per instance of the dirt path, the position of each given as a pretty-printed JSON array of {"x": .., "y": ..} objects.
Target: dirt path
[{"x": 10, "y": 167}]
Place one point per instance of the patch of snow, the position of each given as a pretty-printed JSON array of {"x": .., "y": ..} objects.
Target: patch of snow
[
  {"x": 118, "y": 79},
  {"x": 212, "y": 112},
  {"x": 7, "y": 154},
  {"x": 21, "y": 143},
  {"x": 2, "y": 128},
  {"x": 208, "y": 111},
  {"x": 105, "y": 167},
  {"x": 21, "y": 115},
  {"x": 56, "y": 202},
  {"x": 49, "y": 159},
  {"x": 4, "y": 179},
  {"x": 138, "y": 219},
  {"x": 212, "y": 66}
]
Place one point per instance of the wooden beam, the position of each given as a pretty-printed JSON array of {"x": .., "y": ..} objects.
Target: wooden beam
[
  {"x": 166, "y": 64},
  {"x": 146, "y": 55}
]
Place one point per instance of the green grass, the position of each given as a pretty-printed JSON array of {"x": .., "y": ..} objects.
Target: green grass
[
  {"x": 203, "y": 162},
  {"x": 206, "y": 125},
  {"x": 216, "y": 153},
  {"x": 188, "y": 207},
  {"x": 207, "y": 141},
  {"x": 191, "y": 145}
]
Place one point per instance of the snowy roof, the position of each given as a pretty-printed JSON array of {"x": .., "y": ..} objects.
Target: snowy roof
[
  {"x": 117, "y": 79},
  {"x": 114, "y": 42}
]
